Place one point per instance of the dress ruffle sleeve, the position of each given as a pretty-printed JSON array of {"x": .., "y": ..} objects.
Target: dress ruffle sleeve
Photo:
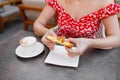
[
  {"x": 109, "y": 10},
  {"x": 51, "y": 3}
]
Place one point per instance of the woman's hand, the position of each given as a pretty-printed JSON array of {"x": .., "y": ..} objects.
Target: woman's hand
[
  {"x": 82, "y": 44},
  {"x": 47, "y": 42}
]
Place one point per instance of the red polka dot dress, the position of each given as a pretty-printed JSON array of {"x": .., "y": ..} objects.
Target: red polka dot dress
[{"x": 86, "y": 26}]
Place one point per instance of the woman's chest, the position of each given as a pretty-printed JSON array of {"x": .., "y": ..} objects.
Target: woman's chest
[
  {"x": 65, "y": 19},
  {"x": 77, "y": 11}
]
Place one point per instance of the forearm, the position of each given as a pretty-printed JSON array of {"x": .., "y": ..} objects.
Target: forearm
[
  {"x": 39, "y": 29},
  {"x": 105, "y": 43}
]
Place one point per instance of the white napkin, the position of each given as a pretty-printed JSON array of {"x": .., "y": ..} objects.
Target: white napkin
[{"x": 59, "y": 57}]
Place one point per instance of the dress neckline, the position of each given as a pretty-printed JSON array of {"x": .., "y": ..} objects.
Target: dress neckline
[{"x": 82, "y": 16}]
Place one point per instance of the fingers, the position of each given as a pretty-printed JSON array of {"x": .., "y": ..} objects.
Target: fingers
[
  {"x": 51, "y": 47},
  {"x": 47, "y": 42},
  {"x": 70, "y": 39},
  {"x": 72, "y": 52}
]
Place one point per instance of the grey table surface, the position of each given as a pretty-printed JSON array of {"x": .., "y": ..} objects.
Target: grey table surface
[{"x": 94, "y": 65}]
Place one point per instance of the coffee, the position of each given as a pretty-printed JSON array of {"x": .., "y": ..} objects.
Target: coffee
[{"x": 28, "y": 43}]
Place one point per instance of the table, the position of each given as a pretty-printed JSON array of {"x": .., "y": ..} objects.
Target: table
[{"x": 94, "y": 65}]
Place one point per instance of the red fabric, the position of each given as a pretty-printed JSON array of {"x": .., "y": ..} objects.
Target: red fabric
[{"x": 86, "y": 26}]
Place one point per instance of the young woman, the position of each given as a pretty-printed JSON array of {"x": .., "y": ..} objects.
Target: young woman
[{"x": 79, "y": 21}]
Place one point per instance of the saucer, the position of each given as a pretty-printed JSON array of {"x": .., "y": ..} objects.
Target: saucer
[{"x": 38, "y": 49}]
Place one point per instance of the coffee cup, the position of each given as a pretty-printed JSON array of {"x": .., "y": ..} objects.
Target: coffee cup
[{"x": 28, "y": 43}]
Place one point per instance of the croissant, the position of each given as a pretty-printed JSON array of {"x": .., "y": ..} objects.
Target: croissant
[{"x": 60, "y": 40}]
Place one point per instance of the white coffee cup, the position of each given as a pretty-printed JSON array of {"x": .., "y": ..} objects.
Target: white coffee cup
[{"x": 28, "y": 43}]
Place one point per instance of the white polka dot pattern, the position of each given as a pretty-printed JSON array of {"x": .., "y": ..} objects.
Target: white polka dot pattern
[{"x": 86, "y": 26}]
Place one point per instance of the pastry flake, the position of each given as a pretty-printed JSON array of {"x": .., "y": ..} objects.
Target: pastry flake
[{"x": 60, "y": 40}]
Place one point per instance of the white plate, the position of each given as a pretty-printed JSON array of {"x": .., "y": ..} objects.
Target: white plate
[
  {"x": 59, "y": 57},
  {"x": 38, "y": 49}
]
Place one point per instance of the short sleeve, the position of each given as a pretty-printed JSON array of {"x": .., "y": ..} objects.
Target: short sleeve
[
  {"x": 110, "y": 10},
  {"x": 51, "y": 3}
]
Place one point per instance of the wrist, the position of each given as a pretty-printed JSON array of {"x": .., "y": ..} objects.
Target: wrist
[
  {"x": 90, "y": 43},
  {"x": 41, "y": 32}
]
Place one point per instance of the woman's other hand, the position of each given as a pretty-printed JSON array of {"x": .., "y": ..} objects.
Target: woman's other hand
[
  {"x": 81, "y": 44},
  {"x": 47, "y": 42}
]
